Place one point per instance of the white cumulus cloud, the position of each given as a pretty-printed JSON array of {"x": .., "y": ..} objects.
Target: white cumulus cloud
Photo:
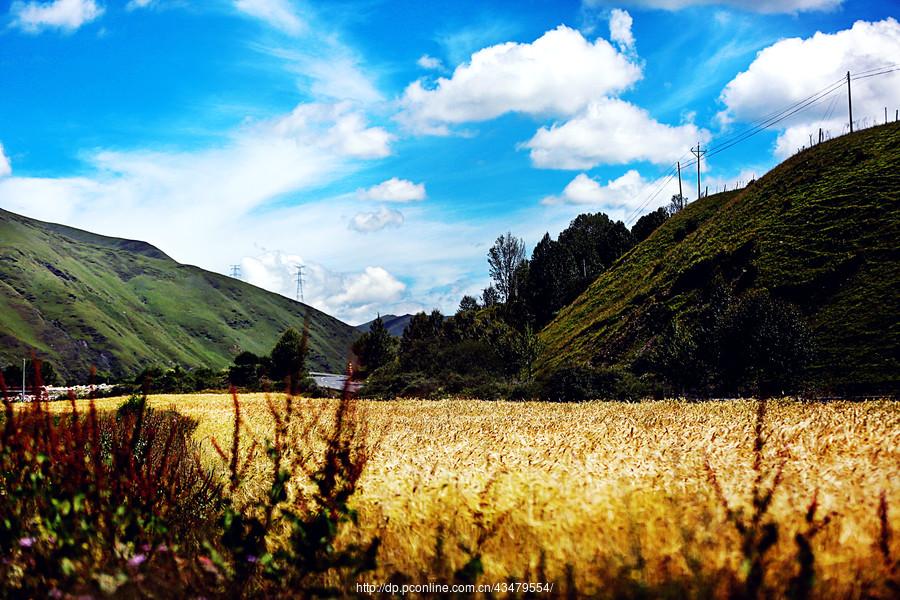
[
  {"x": 393, "y": 190},
  {"x": 351, "y": 297},
  {"x": 135, "y": 4},
  {"x": 429, "y": 62},
  {"x": 620, "y": 23},
  {"x": 557, "y": 74},
  {"x": 618, "y": 196},
  {"x": 374, "y": 284},
  {"x": 367, "y": 222},
  {"x": 277, "y": 13},
  {"x": 5, "y": 167},
  {"x": 793, "y": 69},
  {"x": 611, "y": 131},
  {"x": 759, "y": 6},
  {"x": 66, "y": 15}
]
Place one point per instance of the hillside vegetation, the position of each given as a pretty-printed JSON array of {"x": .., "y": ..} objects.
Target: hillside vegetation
[
  {"x": 79, "y": 299},
  {"x": 819, "y": 232}
]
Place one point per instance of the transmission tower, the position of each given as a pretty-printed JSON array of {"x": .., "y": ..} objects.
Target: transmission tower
[
  {"x": 300, "y": 283},
  {"x": 236, "y": 271}
]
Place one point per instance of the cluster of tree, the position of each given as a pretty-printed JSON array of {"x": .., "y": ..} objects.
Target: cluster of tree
[
  {"x": 731, "y": 346},
  {"x": 727, "y": 345},
  {"x": 12, "y": 374},
  {"x": 533, "y": 290},
  {"x": 284, "y": 367},
  {"x": 375, "y": 348},
  {"x": 487, "y": 348},
  {"x": 473, "y": 352},
  {"x": 749, "y": 345},
  {"x": 178, "y": 380}
]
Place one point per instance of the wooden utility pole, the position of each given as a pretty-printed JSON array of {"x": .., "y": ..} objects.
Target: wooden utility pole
[
  {"x": 680, "y": 193},
  {"x": 698, "y": 153},
  {"x": 849, "y": 102},
  {"x": 23, "y": 380}
]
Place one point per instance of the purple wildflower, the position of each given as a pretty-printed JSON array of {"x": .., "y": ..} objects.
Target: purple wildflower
[{"x": 136, "y": 560}]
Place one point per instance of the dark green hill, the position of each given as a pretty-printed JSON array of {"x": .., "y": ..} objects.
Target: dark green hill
[
  {"x": 80, "y": 299},
  {"x": 821, "y": 231}
]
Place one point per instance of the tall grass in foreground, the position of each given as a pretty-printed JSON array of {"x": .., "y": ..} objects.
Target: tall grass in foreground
[
  {"x": 292, "y": 498},
  {"x": 91, "y": 502},
  {"x": 121, "y": 505}
]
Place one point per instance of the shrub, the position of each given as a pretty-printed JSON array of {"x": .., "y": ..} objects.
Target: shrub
[
  {"x": 679, "y": 356},
  {"x": 764, "y": 346},
  {"x": 156, "y": 380},
  {"x": 576, "y": 383},
  {"x": 89, "y": 500},
  {"x": 754, "y": 345}
]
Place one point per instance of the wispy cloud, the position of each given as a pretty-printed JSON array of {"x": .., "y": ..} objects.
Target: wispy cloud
[
  {"x": 277, "y": 13},
  {"x": 458, "y": 44},
  {"x": 759, "y": 6},
  {"x": 64, "y": 15},
  {"x": 136, "y": 4},
  {"x": 5, "y": 167}
]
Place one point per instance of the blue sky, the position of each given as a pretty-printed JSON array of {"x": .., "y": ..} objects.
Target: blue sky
[{"x": 384, "y": 145}]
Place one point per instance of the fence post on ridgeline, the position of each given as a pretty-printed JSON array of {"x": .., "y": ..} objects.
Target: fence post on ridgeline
[{"x": 849, "y": 102}]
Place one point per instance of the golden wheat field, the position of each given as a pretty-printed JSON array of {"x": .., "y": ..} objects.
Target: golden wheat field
[{"x": 599, "y": 492}]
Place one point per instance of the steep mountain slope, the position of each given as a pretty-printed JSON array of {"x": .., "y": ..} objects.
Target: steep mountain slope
[
  {"x": 394, "y": 324},
  {"x": 822, "y": 231},
  {"x": 80, "y": 299}
]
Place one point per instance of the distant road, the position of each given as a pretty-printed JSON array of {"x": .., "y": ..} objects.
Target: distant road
[{"x": 333, "y": 381}]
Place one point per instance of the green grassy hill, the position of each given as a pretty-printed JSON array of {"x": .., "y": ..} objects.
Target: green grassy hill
[
  {"x": 80, "y": 299},
  {"x": 822, "y": 231}
]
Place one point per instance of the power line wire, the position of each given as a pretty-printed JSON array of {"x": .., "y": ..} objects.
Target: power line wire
[
  {"x": 854, "y": 78},
  {"x": 763, "y": 123}
]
